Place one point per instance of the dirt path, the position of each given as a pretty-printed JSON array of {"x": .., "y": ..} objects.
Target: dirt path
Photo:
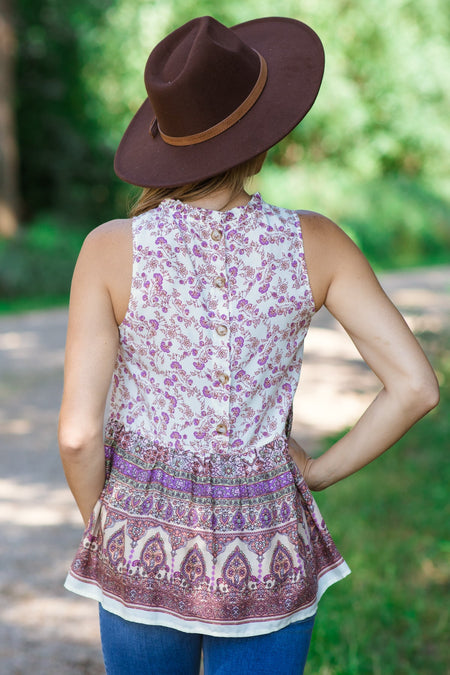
[{"x": 43, "y": 629}]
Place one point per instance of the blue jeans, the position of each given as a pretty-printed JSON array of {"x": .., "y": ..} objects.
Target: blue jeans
[{"x": 137, "y": 649}]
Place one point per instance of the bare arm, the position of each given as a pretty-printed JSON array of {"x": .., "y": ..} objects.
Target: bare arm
[
  {"x": 344, "y": 282},
  {"x": 91, "y": 349}
]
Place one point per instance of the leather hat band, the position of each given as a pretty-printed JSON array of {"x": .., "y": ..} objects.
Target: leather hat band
[{"x": 225, "y": 124}]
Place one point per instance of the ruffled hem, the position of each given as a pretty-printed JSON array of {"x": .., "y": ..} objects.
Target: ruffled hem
[
  {"x": 230, "y": 543},
  {"x": 238, "y": 629}
]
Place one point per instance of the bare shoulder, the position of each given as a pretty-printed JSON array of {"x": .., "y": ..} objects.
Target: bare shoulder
[
  {"x": 111, "y": 233},
  {"x": 107, "y": 259},
  {"x": 328, "y": 250},
  {"x": 108, "y": 244},
  {"x": 320, "y": 232},
  {"x": 117, "y": 225}
]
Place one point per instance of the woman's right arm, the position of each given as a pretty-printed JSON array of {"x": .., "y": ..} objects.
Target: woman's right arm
[
  {"x": 98, "y": 300},
  {"x": 342, "y": 280}
]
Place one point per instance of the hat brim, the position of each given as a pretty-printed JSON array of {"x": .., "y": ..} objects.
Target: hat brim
[{"x": 295, "y": 60}]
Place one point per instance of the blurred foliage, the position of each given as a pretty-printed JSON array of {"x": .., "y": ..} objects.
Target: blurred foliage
[
  {"x": 37, "y": 264},
  {"x": 395, "y": 219},
  {"x": 391, "y": 523},
  {"x": 373, "y": 153},
  {"x": 65, "y": 161}
]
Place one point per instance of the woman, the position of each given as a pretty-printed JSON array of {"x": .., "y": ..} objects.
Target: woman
[{"x": 201, "y": 530}]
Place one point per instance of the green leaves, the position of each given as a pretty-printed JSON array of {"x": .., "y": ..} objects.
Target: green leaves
[{"x": 377, "y": 140}]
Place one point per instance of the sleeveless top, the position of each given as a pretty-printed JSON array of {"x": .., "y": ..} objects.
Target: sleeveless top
[{"x": 205, "y": 524}]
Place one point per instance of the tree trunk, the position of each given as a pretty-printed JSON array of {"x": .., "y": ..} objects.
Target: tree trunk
[{"x": 8, "y": 147}]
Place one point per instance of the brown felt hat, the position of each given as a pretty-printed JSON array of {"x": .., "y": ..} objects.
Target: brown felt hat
[{"x": 218, "y": 97}]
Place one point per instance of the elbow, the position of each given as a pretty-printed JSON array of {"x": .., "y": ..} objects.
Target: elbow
[
  {"x": 424, "y": 395},
  {"x": 73, "y": 440},
  {"x": 432, "y": 397}
]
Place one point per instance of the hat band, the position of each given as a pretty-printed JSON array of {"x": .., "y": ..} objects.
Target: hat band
[{"x": 225, "y": 124}]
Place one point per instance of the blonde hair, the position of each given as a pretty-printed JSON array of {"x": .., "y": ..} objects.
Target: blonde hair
[{"x": 233, "y": 179}]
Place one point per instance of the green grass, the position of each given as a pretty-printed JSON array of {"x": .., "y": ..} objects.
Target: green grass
[{"x": 391, "y": 523}]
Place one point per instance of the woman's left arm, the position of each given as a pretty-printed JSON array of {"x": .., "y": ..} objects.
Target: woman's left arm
[
  {"x": 91, "y": 350},
  {"x": 354, "y": 296}
]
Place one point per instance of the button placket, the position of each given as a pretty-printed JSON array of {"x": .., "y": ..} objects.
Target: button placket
[{"x": 219, "y": 282}]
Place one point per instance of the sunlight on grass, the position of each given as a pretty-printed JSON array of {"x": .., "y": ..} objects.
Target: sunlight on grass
[{"x": 391, "y": 523}]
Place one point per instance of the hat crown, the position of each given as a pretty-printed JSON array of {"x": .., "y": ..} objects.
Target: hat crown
[
  {"x": 199, "y": 75},
  {"x": 219, "y": 96}
]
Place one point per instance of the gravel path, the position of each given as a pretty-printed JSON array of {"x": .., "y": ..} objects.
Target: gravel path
[{"x": 45, "y": 630}]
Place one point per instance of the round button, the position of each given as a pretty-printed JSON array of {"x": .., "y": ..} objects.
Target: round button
[
  {"x": 219, "y": 282},
  {"x": 216, "y": 235},
  {"x": 221, "y": 428},
  {"x": 223, "y": 378},
  {"x": 221, "y": 329}
]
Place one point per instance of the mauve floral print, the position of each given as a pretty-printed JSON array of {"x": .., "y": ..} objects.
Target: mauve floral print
[{"x": 205, "y": 524}]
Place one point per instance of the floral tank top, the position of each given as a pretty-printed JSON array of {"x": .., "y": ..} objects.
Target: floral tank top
[{"x": 205, "y": 524}]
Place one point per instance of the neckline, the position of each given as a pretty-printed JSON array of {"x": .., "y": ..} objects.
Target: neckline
[{"x": 185, "y": 207}]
